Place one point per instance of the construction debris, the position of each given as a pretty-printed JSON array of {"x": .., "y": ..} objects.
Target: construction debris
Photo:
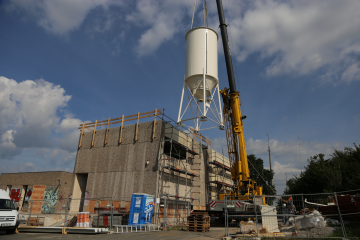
[
  {"x": 198, "y": 222},
  {"x": 311, "y": 220},
  {"x": 252, "y": 228}
]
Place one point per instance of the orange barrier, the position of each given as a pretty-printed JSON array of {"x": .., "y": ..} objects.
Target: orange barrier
[{"x": 83, "y": 219}]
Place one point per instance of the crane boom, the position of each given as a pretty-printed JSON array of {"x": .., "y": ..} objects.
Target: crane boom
[
  {"x": 243, "y": 185},
  {"x": 227, "y": 53}
]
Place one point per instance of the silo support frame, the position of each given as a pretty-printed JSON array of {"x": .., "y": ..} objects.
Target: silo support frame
[
  {"x": 181, "y": 101},
  {"x": 201, "y": 110}
]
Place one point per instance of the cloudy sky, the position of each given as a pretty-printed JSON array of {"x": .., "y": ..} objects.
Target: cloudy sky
[{"x": 63, "y": 62}]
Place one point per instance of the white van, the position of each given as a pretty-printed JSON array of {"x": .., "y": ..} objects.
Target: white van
[{"x": 9, "y": 216}]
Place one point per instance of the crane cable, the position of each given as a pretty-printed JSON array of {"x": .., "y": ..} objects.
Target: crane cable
[{"x": 261, "y": 176}]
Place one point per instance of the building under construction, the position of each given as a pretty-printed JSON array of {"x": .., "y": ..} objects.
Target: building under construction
[
  {"x": 153, "y": 157},
  {"x": 141, "y": 153}
]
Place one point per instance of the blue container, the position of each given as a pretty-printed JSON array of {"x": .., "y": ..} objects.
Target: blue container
[{"x": 141, "y": 208}]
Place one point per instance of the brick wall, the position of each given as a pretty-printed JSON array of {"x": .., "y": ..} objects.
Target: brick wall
[{"x": 42, "y": 186}]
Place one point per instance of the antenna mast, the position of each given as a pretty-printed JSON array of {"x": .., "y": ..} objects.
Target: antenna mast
[
  {"x": 300, "y": 152},
  {"x": 269, "y": 156}
]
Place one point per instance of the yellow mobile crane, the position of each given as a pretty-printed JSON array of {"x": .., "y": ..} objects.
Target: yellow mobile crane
[{"x": 244, "y": 187}]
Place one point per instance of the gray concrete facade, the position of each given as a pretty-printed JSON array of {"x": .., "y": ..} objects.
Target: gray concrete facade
[
  {"x": 120, "y": 169},
  {"x": 140, "y": 166}
]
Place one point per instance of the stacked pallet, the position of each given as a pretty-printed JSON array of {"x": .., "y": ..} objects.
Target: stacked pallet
[{"x": 198, "y": 222}]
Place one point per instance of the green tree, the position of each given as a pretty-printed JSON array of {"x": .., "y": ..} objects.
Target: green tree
[
  {"x": 260, "y": 175},
  {"x": 338, "y": 173}
]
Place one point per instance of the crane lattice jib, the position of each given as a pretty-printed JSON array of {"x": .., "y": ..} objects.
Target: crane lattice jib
[{"x": 235, "y": 137}]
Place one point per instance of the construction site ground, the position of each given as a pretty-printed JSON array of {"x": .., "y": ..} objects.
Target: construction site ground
[{"x": 214, "y": 233}]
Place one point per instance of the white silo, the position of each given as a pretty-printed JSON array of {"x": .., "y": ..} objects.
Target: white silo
[
  {"x": 201, "y": 69},
  {"x": 201, "y": 57}
]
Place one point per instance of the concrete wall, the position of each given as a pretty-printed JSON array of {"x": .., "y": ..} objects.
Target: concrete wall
[
  {"x": 120, "y": 169},
  {"x": 51, "y": 186}
]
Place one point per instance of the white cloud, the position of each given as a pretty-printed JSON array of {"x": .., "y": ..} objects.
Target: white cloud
[
  {"x": 57, "y": 155},
  {"x": 352, "y": 72},
  {"x": 29, "y": 166},
  {"x": 288, "y": 152},
  {"x": 7, "y": 146},
  {"x": 284, "y": 152},
  {"x": 301, "y": 36},
  {"x": 285, "y": 156},
  {"x": 61, "y": 16},
  {"x": 30, "y": 117},
  {"x": 12, "y": 167},
  {"x": 280, "y": 179},
  {"x": 164, "y": 19},
  {"x": 117, "y": 42}
]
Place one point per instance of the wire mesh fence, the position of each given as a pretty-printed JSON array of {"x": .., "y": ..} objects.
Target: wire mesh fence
[
  {"x": 116, "y": 213},
  {"x": 325, "y": 215}
]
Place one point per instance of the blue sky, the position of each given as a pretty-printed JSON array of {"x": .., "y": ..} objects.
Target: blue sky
[{"x": 64, "y": 62}]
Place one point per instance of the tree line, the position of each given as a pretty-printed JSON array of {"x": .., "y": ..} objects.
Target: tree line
[{"x": 339, "y": 172}]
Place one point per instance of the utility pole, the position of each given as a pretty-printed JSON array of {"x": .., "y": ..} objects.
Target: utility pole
[
  {"x": 300, "y": 153},
  {"x": 269, "y": 156},
  {"x": 286, "y": 180}
]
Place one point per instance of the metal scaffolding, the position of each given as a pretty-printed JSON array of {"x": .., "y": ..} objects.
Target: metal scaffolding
[
  {"x": 188, "y": 170},
  {"x": 179, "y": 178},
  {"x": 177, "y": 161},
  {"x": 219, "y": 175}
]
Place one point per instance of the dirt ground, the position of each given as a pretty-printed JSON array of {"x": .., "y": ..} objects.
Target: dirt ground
[
  {"x": 214, "y": 233},
  {"x": 317, "y": 232}
]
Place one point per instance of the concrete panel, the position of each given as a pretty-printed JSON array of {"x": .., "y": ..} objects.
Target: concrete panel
[
  {"x": 120, "y": 169},
  {"x": 177, "y": 136}
]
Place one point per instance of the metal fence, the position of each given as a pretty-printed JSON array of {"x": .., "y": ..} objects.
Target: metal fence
[
  {"x": 323, "y": 215},
  {"x": 106, "y": 212}
]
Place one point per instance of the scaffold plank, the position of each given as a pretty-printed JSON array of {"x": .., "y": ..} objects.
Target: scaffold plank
[
  {"x": 181, "y": 170},
  {"x": 220, "y": 165},
  {"x": 222, "y": 183}
]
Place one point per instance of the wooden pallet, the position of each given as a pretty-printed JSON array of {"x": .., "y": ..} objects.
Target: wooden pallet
[
  {"x": 198, "y": 222},
  {"x": 199, "y": 225},
  {"x": 198, "y": 217},
  {"x": 199, "y": 213},
  {"x": 203, "y": 219}
]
